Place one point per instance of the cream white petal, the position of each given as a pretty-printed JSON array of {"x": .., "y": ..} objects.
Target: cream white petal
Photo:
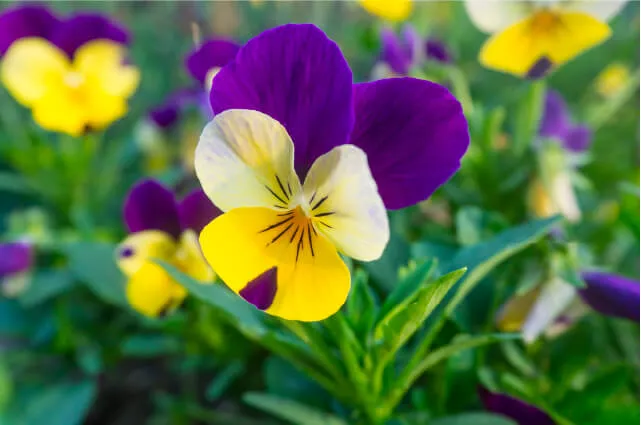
[
  {"x": 603, "y": 10},
  {"x": 555, "y": 297},
  {"x": 494, "y": 15},
  {"x": 245, "y": 158},
  {"x": 345, "y": 204}
]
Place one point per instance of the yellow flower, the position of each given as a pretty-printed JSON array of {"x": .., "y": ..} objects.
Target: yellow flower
[
  {"x": 612, "y": 79},
  {"x": 391, "y": 10},
  {"x": 530, "y": 38},
  {"x": 68, "y": 96},
  {"x": 556, "y": 198}
]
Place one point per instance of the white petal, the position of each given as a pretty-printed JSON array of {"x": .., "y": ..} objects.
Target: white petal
[
  {"x": 603, "y": 10},
  {"x": 564, "y": 197},
  {"x": 494, "y": 15},
  {"x": 245, "y": 158},
  {"x": 555, "y": 297},
  {"x": 344, "y": 200}
]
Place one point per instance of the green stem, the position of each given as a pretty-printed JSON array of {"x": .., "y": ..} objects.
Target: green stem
[{"x": 528, "y": 117}]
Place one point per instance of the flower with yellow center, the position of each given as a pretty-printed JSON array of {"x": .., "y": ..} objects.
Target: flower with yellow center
[{"x": 531, "y": 38}]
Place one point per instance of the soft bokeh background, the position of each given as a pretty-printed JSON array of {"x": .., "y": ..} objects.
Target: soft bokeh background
[{"x": 165, "y": 373}]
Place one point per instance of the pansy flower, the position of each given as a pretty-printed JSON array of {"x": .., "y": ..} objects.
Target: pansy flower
[
  {"x": 304, "y": 164},
  {"x": 554, "y": 306},
  {"x": 553, "y": 192},
  {"x": 72, "y": 73},
  {"x": 164, "y": 229},
  {"x": 390, "y": 10},
  {"x": 400, "y": 53},
  {"x": 531, "y": 38},
  {"x": 518, "y": 410},
  {"x": 16, "y": 260},
  {"x": 613, "y": 79}
]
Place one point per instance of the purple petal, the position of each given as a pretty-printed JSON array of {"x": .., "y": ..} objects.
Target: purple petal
[
  {"x": 151, "y": 206},
  {"x": 25, "y": 21},
  {"x": 414, "y": 133},
  {"x": 196, "y": 211},
  {"x": 577, "y": 139},
  {"x": 84, "y": 27},
  {"x": 555, "y": 120},
  {"x": 298, "y": 76},
  {"x": 211, "y": 54},
  {"x": 397, "y": 56},
  {"x": 166, "y": 114},
  {"x": 518, "y": 410},
  {"x": 261, "y": 291},
  {"x": 15, "y": 257},
  {"x": 611, "y": 295},
  {"x": 436, "y": 50}
]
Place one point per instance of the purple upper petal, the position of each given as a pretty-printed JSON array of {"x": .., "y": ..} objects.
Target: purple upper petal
[
  {"x": 298, "y": 76},
  {"x": 166, "y": 114},
  {"x": 196, "y": 211},
  {"x": 611, "y": 295},
  {"x": 84, "y": 27},
  {"x": 397, "y": 56},
  {"x": 511, "y": 407},
  {"x": 15, "y": 257},
  {"x": 210, "y": 54},
  {"x": 151, "y": 206},
  {"x": 436, "y": 50},
  {"x": 414, "y": 133},
  {"x": 556, "y": 119},
  {"x": 577, "y": 139},
  {"x": 25, "y": 21}
]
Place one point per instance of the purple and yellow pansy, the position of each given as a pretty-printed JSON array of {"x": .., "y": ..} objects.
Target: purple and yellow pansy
[
  {"x": 304, "y": 164},
  {"x": 531, "y": 38},
  {"x": 72, "y": 73},
  {"x": 162, "y": 229}
]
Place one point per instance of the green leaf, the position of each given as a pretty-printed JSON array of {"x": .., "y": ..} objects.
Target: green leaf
[
  {"x": 528, "y": 116},
  {"x": 385, "y": 269},
  {"x": 469, "y": 225},
  {"x": 408, "y": 286},
  {"x": 44, "y": 285},
  {"x": 480, "y": 418},
  {"x": 396, "y": 327},
  {"x": 482, "y": 258},
  {"x": 361, "y": 307},
  {"x": 149, "y": 345},
  {"x": 65, "y": 403},
  {"x": 93, "y": 263},
  {"x": 223, "y": 380},
  {"x": 241, "y": 314},
  {"x": 11, "y": 182},
  {"x": 291, "y": 411}
]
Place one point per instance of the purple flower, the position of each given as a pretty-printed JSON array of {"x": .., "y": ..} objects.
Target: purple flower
[
  {"x": 436, "y": 50},
  {"x": 151, "y": 206},
  {"x": 556, "y": 123},
  {"x": 67, "y": 34},
  {"x": 513, "y": 408},
  {"x": 167, "y": 113},
  {"x": 15, "y": 257},
  {"x": 400, "y": 53},
  {"x": 304, "y": 164},
  {"x": 612, "y": 295},
  {"x": 210, "y": 56}
]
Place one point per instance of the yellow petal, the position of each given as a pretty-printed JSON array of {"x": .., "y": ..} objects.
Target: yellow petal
[
  {"x": 102, "y": 63},
  {"x": 60, "y": 109},
  {"x": 555, "y": 37},
  {"x": 189, "y": 258},
  {"x": 31, "y": 67},
  {"x": 139, "y": 248},
  {"x": 345, "y": 203},
  {"x": 245, "y": 158},
  {"x": 278, "y": 261},
  {"x": 514, "y": 312},
  {"x": 392, "y": 10},
  {"x": 152, "y": 292}
]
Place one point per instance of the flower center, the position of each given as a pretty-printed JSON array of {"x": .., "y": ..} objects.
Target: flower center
[
  {"x": 74, "y": 79},
  {"x": 544, "y": 22}
]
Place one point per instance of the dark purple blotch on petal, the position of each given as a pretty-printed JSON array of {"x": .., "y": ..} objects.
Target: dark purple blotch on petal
[
  {"x": 25, "y": 21},
  {"x": 518, "y": 410},
  {"x": 15, "y": 257},
  {"x": 299, "y": 77},
  {"x": 211, "y": 54},
  {"x": 540, "y": 69},
  {"x": 611, "y": 295},
  {"x": 151, "y": 206},
  {"x": 261, "y": 291},
  {"x": 436, "y": 50},
  {"x": 414, "y": 133},
  {"x": 84, "y": 27},
  {"x": 196, "y": 211},
  {"x": 126, "y": 252}
]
